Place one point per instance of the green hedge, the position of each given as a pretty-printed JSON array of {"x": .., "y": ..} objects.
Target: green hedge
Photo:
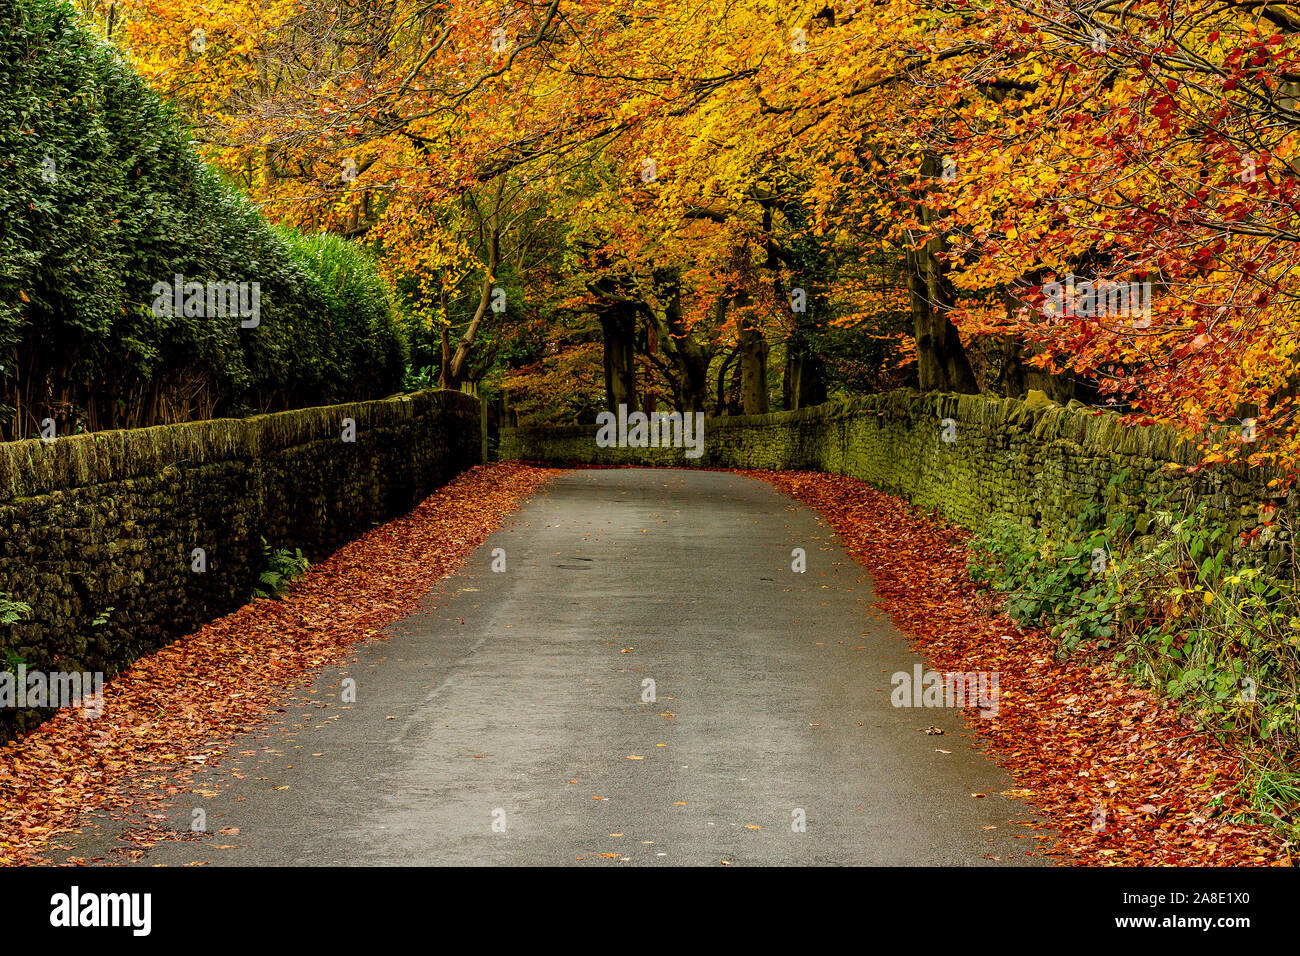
[{"x": 102, "y": 195}]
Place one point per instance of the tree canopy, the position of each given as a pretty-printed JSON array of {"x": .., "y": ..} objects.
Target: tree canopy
[{"x": 735, "y": 206}]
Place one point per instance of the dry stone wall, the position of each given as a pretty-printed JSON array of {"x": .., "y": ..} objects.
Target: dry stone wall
[
  {"x": 968, "y": 456},
  {"x": 112, "y": 519}
]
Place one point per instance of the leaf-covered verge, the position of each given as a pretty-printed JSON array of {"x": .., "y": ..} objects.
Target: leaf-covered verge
[
  {"x": 225, "y": 679},
  {"x": 1082, "y": 740}
]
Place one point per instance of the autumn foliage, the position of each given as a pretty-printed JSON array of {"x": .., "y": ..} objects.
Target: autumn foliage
[{"x": 852, "y": 189}]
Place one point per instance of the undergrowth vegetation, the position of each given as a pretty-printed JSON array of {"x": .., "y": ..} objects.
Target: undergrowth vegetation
[
  {"x": 283, "y": 567},
  {"x": 1168, "y": 611}
]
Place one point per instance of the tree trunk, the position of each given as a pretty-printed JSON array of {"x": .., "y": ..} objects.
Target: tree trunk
[
  {"x": 721, "y": 408},
  {"x": 753, "y": 370},
  {"x": 1013, "y": 368},
  {"x": 618, "y": 327},
  {"x": 1019, "y": 376},
  {"x": 690, "y": 359},
  {"x": 444, "y": 369},
  {"x": 942, "y": 364},
  {"x": 456, "y": 370},
  {"x": 733, "y": 392},
  {"x": 803, "y": 383},
  {"x": 695, "y": 380}
]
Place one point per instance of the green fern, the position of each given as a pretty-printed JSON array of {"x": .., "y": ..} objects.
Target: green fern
[
  {"x": 11, "y": 611},
  {"x": 282, "y": 567}
]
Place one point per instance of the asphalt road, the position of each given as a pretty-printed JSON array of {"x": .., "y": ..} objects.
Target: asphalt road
[{"x": 504, "y": 723}]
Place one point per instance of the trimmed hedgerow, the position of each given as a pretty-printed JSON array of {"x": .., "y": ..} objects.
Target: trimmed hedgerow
[{"x": 102, "y": 195}]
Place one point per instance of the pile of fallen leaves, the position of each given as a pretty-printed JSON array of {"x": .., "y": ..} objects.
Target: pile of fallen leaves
[
  {"x": 1121, "y": 775},
  {"x": 166, "y": 715}
]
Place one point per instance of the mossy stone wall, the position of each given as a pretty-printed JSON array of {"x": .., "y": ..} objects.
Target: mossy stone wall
[
  {"x": 111, "y": 519},
  {"x": 1038, "y": 462}
]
